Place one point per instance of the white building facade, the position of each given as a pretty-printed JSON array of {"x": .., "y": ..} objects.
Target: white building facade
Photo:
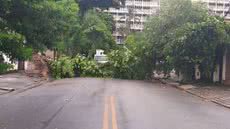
[
  {"x": 141, "y": 10},
  {"x": 219, "y": 7}
]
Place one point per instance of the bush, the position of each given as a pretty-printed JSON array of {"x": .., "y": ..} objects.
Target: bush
[
  {"x": 86, "y": 67},
  {"x": 92, "y": 69},
  {"x": 121, "y": 63},
  {"x": 131, "y": 61},
  {"x": 4, "y": 67},
  {"x": 62, "y": 68},
  {"x": 66, "y": 67}
]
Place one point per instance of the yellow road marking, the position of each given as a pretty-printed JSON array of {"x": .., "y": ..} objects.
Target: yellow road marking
[
  {"x": 110, "y": 102},
  {"x": 113, "y": 109},
  {"x": 106, "y": 115}
]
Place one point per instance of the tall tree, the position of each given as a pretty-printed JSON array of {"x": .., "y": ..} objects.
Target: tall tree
[
  {"x": 95, "y": 34},
  {"x": 184, "y": 34},
  {"x": 43, "y": 24},
  {"x": 12, "y": 44}
]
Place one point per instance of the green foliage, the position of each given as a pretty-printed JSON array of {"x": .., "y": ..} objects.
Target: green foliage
[
  {"x": 131, "y": 61},
  {"x": 120, "y": 61},
  {"x": 54, "y": 24},
  {"x": 173, "y": 14},
  {"x": 29, "y": 25},
  {"x": 4, "y": 67},
  {"x": 108, "y": 19},
  {"x": 67, "y": 25},
  {"x": 184, "y": 34},
  {"x": 123, "y": 63},
  {"x": 86, "y": 67},
  {"x": 66, "y": 67},
  {"x": 42, "y": 23},
  {"x": 137, "y": 44},
  {"x": 95, "y": 34},
  {"x": 197, "y": 44},
  {"x": 12, "y": 45},
  {"x": 62, "y": 68}
]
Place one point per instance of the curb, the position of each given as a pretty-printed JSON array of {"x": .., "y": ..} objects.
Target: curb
[
  {"x": 200, "y": 96},
  {"x": 7, "y": 89},
  {"x": 31, "y": 87},
  {"x": 219, "y": 103}
]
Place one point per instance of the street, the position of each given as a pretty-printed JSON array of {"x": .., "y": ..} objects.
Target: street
[{"x": 89, "y": 103}]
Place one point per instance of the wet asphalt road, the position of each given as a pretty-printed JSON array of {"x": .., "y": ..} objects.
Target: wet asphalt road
[{"x": 108, "y": 104}]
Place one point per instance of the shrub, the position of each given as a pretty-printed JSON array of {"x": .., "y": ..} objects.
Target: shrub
[
  {"x": 121, "y": 62},
  {"x": 4, "y": 67},
  {"x": 86, "y": 67},
  {"x": 130, "y": 61},
  {"x": 62, "y": 68},
  {"x": 66, "y": 67}
]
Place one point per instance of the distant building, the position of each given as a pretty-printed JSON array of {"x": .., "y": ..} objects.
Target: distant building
[
  {"x": 219, "y": 7},
  {"x": 134, "y": 13}
]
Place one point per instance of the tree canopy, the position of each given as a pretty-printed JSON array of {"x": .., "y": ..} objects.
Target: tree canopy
[
  {"x": 40, "y": 21},
  {"x": 55, "y": 24},
  {"x": 42, "y": 24},
  {"x": 183, "y": 35},
  {"x": 95, "y": 33}
]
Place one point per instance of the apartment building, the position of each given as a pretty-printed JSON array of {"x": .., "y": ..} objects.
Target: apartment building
[
  {"x": 134, "y": 14},
  {"x": 219, "y": 7}
]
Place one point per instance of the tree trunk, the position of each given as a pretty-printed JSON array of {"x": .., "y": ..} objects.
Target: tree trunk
[
  {"x": 221, "y": 68},
  {"x": 220, "y": 51},
  {"x": 55, "y": 54}
]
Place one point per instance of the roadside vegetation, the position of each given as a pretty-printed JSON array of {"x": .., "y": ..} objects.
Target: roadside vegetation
[
  {"x": 181, "y": 35},
  {"x": 28, "y": 27},
  {"x": 66, "y": 67}
]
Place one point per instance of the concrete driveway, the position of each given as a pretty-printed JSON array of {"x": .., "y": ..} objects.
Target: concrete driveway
[{"x": 88, "y": 103}]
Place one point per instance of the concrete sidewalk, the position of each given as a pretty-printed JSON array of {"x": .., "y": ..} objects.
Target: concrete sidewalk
[
  {"x": 217, "y": 94},
  {"x": 18, "y": 82}
]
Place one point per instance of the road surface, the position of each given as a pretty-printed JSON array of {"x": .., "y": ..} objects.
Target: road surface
[{"x": 88, "y": 103}]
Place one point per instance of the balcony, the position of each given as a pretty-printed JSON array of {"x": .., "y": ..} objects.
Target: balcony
[
  {"x": 217, "y": 1},
  {"x": 121, "y": 10},
  {"x": 137, "y": 27},
  {"x": 142, "y": 3}
]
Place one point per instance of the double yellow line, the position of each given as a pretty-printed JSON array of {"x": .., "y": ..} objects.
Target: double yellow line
[{"x": 110, "y": 104}]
